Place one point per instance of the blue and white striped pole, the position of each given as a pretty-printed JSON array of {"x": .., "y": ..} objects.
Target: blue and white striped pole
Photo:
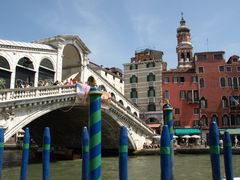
[
  {"x": 25, "y": 155},
  {"x": 165, "y": 154},
  {"x": 46, "y": 153},
  {"x": 123, "y": 154},
  {"x": 214, "y": 151},
  {"x": 1, "y": 150},
  {"x": 228, "y": 156},
  {"x": 85, "y": 154}
]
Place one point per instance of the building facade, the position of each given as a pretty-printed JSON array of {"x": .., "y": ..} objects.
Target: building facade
[{"x": 142, "y": 85}]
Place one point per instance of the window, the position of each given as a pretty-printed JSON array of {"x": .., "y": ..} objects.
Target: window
[
  {"x": 165, "y": 80},
  {"x": 151, "y": 107},
  {"x": 202, "y": 57},
  {"x": 175, "y": 79},
  {"x": 151, "y": 92},
  {"x": 224, "y": 102},
  {"x": 151, "y": 77},
  {"x": 195, "y": 95},
  {"x": 230, "y": 82},
  {"x": 195, "y": 123},
  {"x": 151, "y": 64},
  {"x": 106, "y": 73},
  {"x": 196, "y": 111},
  {"x": 134, "y": 93},
  {"x": 176, "y": 123},
  {"x": 166, "y": 95},
  {"x": 221, "y": 68},
  {"x": 134, "y": 79},
  {"x": 225, "y": 120},
  {"x": 177, "y": 111},
  {"x": 229, "y": 68},
  {"x": 238, "y": 68},
  {"x": 133, "y": 66},
  {"x": 234, "y": 101},
  {"x": 113, "y": 77},
  {"x": 181, "y": 79},
  {"x": 239, "y": 81},
  {"x": 189, "y": 96},
  {"x": 222, "y": 82},
  {"x": 203, "y": 102},
  {"x": 215, "y": 118},
  {"x": 194, "y": 79},
  {"x": 152, "y": 120},
  {"x": 182, "y": 94},
  {"x": 235, "y": 83},
  {"x": 200, "y": 69},
  {"x": 201, "y": 81},
  {"x": 218, "y": 56},
  {"x": 204, "y": 121}
]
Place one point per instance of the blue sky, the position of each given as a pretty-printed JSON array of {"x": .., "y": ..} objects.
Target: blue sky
[{"x": 113, "y": 30}]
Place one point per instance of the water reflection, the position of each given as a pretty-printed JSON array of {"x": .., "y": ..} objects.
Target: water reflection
[{"x": 187, "y": 167}]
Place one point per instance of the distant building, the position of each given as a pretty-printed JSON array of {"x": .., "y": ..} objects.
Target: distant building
[{"x": 142, "y": 85}]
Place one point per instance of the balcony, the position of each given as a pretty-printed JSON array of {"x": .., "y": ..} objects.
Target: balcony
[
  {"x": 134, "y": 85},
  {"x": 151, "y": 83}
]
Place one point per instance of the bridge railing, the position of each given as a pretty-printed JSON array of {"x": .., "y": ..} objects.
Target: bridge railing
[
  {"x": 35, "y": 92},
  {"x": 131, "y": 115}
]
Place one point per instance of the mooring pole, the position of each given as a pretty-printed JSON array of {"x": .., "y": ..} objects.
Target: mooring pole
[
  {"x": 95, "y": 133},
  {"x": 167, "y": 115},
  {"x": 165, "y": 153},
  {"x": 85, "y": 154},
  {"x": 25, "y": 155},
  {"x": 46, "y": 153},
  {"x": 123, "y": 154},
  {"x": 227, "y": 145},
  {"x": 214, "y": 151},
  {"x": 1, "y": 150}
]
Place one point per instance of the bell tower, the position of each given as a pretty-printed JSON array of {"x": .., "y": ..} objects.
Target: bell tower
[{"x": 184, "y": 45}]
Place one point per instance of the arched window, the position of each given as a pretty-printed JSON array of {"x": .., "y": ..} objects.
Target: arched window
[
  {"x": 204, "y": 121},
  {"x": 151, "y": 92},
  {"x": 46, "y": 71},
  {"x": 134, "y": 93},
  {"x": 113, "y": 96},
  {"x": 235, "y": 83},
  {"x": 150, "y": 64},
  {"x": 135, "y": 114},
  {"x": 133, "y": 79},
  {"x": 215, "y": 118},
  {"x": 25, "y": 73},
  {"x": 224, "y": 102},
  {"x": 239, "y": 81},
  {"x": 230, "y": 82},
  {"x": 129, "y": 109},
  {"x": 151, "y": 107},
  {"x": 203, "y": 102},
  {"x": 5, "y": 74},
  {"x": 121, "y": 102},
  {"x": 225, "y": 120},
  {"x": 201, "y": 82},
  {"x": 222, "y": 82},
  {"x": 151, "y": 77}
]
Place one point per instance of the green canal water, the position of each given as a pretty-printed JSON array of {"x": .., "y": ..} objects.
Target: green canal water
[{"x": 187, "y": 167}]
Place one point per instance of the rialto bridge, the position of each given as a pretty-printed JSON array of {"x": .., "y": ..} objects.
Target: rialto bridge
[{"x": 26, "y": 102}]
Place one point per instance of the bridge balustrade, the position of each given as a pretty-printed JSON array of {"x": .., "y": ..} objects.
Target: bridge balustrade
[{"x": 35, "y": 92}]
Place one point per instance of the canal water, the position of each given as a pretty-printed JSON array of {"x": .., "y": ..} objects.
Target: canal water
[{"x": 187, "y": 167}]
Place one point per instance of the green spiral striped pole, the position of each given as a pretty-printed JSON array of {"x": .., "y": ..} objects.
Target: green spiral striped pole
[
  {"x": 46, "y": 153},
  {"x": 167, "y": 115},
  {"x": 95, "y": 134}
]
